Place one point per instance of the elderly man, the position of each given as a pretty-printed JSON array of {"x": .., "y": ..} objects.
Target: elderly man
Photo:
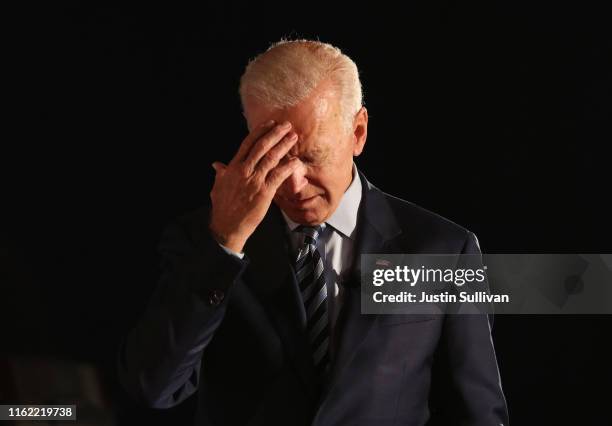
[{"x": 258, "y": 306}]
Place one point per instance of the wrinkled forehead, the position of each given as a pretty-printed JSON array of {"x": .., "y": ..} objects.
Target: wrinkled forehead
[
  {"x": 322, "y": 106},
  {"x": 317, "y": 131}
]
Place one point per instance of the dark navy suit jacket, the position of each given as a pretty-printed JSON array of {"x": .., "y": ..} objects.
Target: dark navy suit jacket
[{"x": 233, "y": 330}]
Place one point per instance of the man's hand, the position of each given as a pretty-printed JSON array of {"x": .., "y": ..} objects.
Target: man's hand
[{"x": 244, "y": 189}]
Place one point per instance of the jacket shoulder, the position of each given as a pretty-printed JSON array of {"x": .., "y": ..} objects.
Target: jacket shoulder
[{"x": 420, "y": 223}]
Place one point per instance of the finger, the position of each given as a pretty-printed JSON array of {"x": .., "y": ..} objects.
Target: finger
[
  {"x": 276, "y": 154},
  {"x": 219, "y": 167},
  {"x": 281, "y": 172},
  {"x": 264, "y": 144},
  {"x": 251, "y": 138}
]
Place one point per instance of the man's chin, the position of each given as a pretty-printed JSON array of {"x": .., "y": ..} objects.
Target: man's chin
[
  {"x": 307, "y": 217},
  {"x": 311, "y": 217}
]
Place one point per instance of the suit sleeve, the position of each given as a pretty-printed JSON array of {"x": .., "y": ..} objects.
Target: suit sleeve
[
  {"x": 159, "y": 360},
  {"x": 475, "y": 393}
]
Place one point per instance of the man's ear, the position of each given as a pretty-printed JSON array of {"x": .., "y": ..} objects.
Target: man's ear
[{"x": 360, "y": 131}]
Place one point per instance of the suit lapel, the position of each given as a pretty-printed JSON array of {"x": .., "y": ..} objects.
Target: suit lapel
[{"x": 271, "y": 277}]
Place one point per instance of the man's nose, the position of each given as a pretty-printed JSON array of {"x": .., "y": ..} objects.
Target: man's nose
[{"x": 297, "y": 180}]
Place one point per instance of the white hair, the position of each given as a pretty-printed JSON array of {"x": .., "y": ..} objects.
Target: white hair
[{"x": 288, "y": 72}]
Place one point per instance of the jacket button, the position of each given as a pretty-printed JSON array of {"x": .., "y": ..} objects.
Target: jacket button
[{"x": 215, "y": 297}]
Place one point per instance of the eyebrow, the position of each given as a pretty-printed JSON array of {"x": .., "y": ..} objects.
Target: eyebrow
[{"x": 317, "y": 153}]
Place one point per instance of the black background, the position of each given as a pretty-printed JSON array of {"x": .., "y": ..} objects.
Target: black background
[{"x": 493, "y": 114}]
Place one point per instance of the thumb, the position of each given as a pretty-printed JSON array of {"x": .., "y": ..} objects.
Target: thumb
[{"x": 218, "y": 166}]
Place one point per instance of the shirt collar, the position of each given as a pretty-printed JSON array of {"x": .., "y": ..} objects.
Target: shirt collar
[{"x": 344, "y": 218}]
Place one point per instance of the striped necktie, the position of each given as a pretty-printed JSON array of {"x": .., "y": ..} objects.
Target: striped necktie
[{"x": 311, "y": 279}]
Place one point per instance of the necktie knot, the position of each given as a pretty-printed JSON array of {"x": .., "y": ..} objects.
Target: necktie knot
[{"x": 311, "y": 233}]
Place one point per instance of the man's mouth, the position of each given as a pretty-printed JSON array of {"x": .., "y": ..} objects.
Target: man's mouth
[{"x": 301, "y": 202}]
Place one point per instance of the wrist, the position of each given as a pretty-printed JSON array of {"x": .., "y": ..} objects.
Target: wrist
[
  {"x": 232, "y": 242},
  {"x": 234, "y": 245}
]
